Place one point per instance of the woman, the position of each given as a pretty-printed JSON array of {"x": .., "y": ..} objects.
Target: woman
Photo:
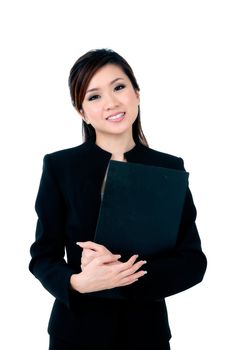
[{"x": 105, "y": 93}]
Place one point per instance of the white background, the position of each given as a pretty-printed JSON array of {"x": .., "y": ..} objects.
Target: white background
[{"x": 181, "y": 54}]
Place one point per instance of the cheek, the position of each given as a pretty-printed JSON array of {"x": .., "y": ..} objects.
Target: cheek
[
  {"x": 131, "y": 100},
  {"x": 94, "y": 110},
  {"x": 125, "y": 100},
  {"x": 134, "y": 103}
]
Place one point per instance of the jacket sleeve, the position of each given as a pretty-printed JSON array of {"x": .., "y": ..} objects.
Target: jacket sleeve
[
  {"x": 47, "y": 252},
  {"x": 176, "y": 271}
]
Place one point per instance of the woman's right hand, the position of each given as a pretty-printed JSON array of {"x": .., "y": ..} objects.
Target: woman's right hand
[{"x": 106, "y": 272}]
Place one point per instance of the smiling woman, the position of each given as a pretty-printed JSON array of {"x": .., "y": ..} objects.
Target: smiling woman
[
  {"x": 86, "y": 315},
  {"x": 112, "y": 102},
  {"x": 102, "y": 85}
]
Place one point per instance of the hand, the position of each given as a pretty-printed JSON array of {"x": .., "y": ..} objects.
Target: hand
[
  {"x": 106, "y": 272},
  {"x": 90, "y": 251}
]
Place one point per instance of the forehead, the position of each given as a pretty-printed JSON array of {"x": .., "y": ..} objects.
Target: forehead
[{"x": 106, "y": 74}]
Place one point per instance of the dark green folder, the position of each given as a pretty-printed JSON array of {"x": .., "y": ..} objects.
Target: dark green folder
[{"x": 141, "y": 209}]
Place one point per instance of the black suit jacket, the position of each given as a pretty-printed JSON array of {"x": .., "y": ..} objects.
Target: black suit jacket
[{"x": 67, "y": 206}]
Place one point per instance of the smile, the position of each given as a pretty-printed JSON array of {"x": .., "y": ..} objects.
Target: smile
[{"x": 117, "y": 117}]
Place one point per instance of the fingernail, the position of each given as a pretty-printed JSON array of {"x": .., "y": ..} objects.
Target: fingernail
[
  {"x": 144, "y": 261},
  {"x": 145, "y": 272}
]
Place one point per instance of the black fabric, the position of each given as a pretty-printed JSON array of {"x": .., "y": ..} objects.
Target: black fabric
[
  {"x": 110, "y": 321},
  {"x": 59, "y": 344},
  {"x": 67, "y": 206}
]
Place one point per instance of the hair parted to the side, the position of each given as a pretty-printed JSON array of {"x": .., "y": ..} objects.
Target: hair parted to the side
[{"x": 80, "y": 75}]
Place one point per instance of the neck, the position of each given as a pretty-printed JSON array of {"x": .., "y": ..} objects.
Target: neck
[{"x": 117, "y": 145}]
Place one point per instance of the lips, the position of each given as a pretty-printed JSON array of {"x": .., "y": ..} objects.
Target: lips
[{"x": 116, "y": 116}]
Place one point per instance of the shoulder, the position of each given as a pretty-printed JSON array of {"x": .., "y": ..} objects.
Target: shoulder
[
  {"x": 162, "y": 159},
  {"x": 68, "y": 152},
  {"x": 66, "y": 157}
]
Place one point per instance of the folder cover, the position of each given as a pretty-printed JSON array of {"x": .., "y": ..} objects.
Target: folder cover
[{"x": 141, "y": 209}]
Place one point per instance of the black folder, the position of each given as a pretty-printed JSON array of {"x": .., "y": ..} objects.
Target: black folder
[{"x": 141, "y": 209}]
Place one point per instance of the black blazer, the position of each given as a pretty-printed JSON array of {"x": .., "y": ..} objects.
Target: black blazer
[{"x": 67, "y": 206}]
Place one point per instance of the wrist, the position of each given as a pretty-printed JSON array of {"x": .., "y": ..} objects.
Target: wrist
[{"x": 75, "y": 282}]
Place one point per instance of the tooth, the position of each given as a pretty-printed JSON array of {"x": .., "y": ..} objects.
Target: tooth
[{"x": 116, "y": 116}]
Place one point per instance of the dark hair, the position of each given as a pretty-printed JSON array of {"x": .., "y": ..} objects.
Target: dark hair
[{"x": 80, "y": 75}]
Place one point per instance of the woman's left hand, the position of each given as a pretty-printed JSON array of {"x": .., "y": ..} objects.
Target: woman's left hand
[{"x": 90, "y": 251}]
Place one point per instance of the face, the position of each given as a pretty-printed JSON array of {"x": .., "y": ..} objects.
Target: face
[{"x": 111, "y": 106}]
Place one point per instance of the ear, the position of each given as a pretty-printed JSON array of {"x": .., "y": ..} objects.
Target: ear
[
  {"x": 137, "y": 95},
  {"x": 83, "y": 116}
]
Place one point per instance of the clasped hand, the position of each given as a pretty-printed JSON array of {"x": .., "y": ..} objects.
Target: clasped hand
[{"x": 102, "y": 269}]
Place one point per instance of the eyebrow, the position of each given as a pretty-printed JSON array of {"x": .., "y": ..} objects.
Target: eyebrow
[{"x": 112, "y": 82}]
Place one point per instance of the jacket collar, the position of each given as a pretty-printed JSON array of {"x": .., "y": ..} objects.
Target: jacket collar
[{"x": 135, "y": 154}]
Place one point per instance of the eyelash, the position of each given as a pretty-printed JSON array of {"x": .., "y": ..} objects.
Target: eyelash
[{"x": 91, "y": 98}]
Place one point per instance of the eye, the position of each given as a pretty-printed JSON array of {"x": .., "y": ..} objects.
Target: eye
[
  {"x": 120, "y": 87},
  {"x": 92, "y": 98}
]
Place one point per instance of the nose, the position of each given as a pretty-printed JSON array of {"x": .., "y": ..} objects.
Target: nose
[{"x": 110, "y": 101}]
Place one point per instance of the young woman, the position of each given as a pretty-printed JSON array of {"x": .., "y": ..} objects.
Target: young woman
[{"x": 105, "y": 93}]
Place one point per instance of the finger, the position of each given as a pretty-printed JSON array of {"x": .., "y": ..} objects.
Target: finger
[
  {"x": 91, "y": 245},
  {"x": 137, "y": 265},
  {"x": 88, "y": 253},
  {"x": 133, "y": 278},
  {"x": 133, "y": 269},
  {"x": 129, "y": 263},
  {"x": 87, "y": 250},
  {"x": 107, "y": 258},
  {"x": 83, "y": 260},
  {"x": 139, "y": 274},
  {"x": 87, "y": 244}
]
